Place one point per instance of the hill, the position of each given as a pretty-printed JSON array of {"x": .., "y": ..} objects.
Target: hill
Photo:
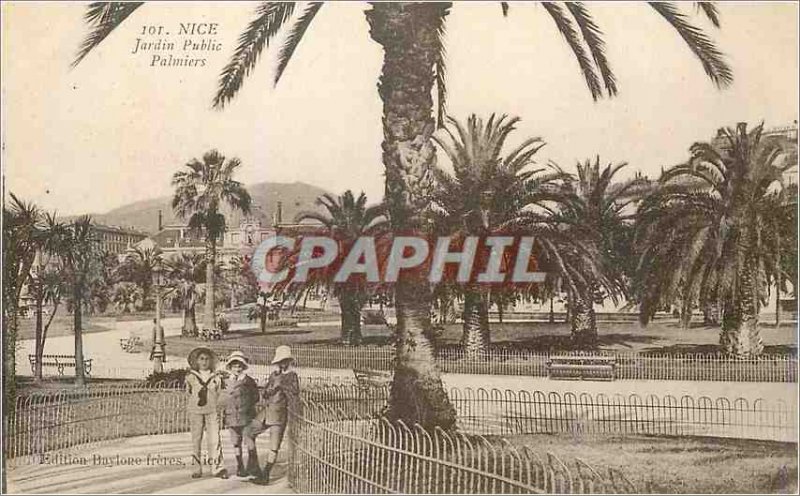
[{"x": 294, "y": 197}]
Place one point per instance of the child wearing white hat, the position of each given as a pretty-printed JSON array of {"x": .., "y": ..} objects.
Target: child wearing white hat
[
  {"x": 282, "y": 385},
  {"x": 240, "y": 409}
]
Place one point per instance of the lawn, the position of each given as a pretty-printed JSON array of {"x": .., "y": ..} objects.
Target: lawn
[
  {"x": 683, "y": 465},
  {"x": 62, "y": 325},
  {"x": 659, "y": 336}
]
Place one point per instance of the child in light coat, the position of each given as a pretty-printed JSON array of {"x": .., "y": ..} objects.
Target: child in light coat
[{"x": 204, "y": 387}]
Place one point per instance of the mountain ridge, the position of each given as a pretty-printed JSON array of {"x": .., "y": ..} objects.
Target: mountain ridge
[{"x": 142, "y": 215}]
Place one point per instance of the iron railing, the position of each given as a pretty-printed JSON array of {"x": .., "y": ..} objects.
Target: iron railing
[
  {"x": 338, "y": 452},
  {"x": 506, "y": 361},
  {"x": 498, "y": 412},
  {"x": 343, "y": 443}
]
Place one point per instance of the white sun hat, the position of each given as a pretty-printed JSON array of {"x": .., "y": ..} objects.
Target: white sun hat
[
  {"x": 282, "y": 353},
  {"x": 237, "y": 356}
]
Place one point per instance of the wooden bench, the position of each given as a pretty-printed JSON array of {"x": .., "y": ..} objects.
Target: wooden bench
[
  {"x": 371, "y": 316},
  {"x": 131, "y": 345},
  {"x": 366, "y": 378},
  {"x": 582, "y": 367},
  {"x": 61, "y": 362}
]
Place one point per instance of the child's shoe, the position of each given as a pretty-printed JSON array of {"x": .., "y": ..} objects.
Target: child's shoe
[
  {"x": 240, "y": 471},
  {"x": 222, "y": 474}
]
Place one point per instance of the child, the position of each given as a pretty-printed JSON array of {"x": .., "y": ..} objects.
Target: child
[
  {"x": 282, "y": 385},
  {"x": 240, "y": 409},
  {"x": 204, "y": 387}
]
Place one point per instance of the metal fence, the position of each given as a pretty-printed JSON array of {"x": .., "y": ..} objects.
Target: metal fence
[
  {"x": 505, "y": 361},
  {"x": 498, "y": 412},
  {"x": 50, "y": 421},
  {"x": 339, "y": 452},
  {"x": 341, "y": 441}
]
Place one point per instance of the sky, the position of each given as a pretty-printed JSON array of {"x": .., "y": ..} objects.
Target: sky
[{"x": 114, "y": 129}]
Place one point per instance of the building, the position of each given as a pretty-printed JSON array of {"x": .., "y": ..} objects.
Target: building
[
  {"x": 117, "y": 240},
  {"x": 175, "y": 239}
]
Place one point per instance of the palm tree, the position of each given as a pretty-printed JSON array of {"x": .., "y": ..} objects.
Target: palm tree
[
  {"x": 21, "y": 226},
  {"x": 200, "y": 194},
  {"x": 599, "y": 207},
  {"x": 46, "y": 285},
  {"x": 717, "y": 229},
  {"x": 127, "y": 297},
  {"x": 412, "y": 38},
  {"x": 138, "y": 267},
  {"x": 347, "y": 219},
  {"x": 485, "y": 191},
  {"x": 80, "y": 253},
  {"x": 185, "y": 273}
]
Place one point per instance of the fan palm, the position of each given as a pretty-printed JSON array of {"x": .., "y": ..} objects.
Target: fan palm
[
  {"x": 412, "y": 38},
  {"x": 185, "y": 274},
  {"x": 138, "y": 267},
  {"x": 348, "y": 218},
  {"x": 200, "y": 194},
  {"x": 717, "y": 229},
  {"x": 485, "y": 191},
  {"x": 599, "y": 208}
]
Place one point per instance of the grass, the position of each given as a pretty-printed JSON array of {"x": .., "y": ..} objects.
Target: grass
[
  {"x": 62, "y": 325},
  {"x": 660, "y": 336},
  {"x": 683, "y": 465}
]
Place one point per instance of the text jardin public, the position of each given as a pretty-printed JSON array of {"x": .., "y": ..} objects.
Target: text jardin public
[
  {"x": 503, "y": 260},
  {"x": 191, "y": 44}
]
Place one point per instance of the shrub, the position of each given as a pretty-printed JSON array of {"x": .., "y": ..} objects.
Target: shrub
[
  {"x": 173, "y": 378},
  {"x": 223, "y": 324}
]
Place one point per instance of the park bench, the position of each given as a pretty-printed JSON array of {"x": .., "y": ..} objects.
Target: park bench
[
  {"x": 370, "y": 316},
  {"x": 371, "y": 378},
  {"x": 61, "y": 362},
  {"x": 582, "y": 367},
  {"x": 131, "y": 345}
]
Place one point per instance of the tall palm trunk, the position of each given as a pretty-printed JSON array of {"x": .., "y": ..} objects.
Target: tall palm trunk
[
  {"x": 583, "y": 321},
  {"x": 475, "y": 337},
  {"x": 38, "y": 341},
  {"x": 685, "y": 320},
  {"x": 740, "y": 335},
  {"x": 351, "y": 316},
  {"x": 408, "y": 34},
  {"x": 189, "y": 320},
  {"x": 711, "y": 313},
  {"x": 80, "y": 378},
  {"x": 189, "y": 306},
  {"x": 209, "y": 322}
]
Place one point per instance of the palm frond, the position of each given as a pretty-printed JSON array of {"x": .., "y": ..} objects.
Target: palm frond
[
  {"x": 710, "y": 10},
  {"x": 702, "y": 46},
  {"x": 294, "y": 37},
  {"x": 270, "y": 17},
  {"x": 103, "y": 18},
  {"x": 573, "y": 39},
  {"x": 594, "y": 40}
]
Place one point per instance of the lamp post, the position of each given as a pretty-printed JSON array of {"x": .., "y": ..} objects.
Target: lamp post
[{"x": 158, "y": 353}]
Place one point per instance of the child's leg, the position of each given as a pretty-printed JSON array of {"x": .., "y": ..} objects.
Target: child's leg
[
  {"x": 196, "y": 423},
  {"x": 249, "y": 433},
  {"x": 236, "y": 440},
  {"x": 274, "y": 444},
  {"x": 213, "y": 426}
]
